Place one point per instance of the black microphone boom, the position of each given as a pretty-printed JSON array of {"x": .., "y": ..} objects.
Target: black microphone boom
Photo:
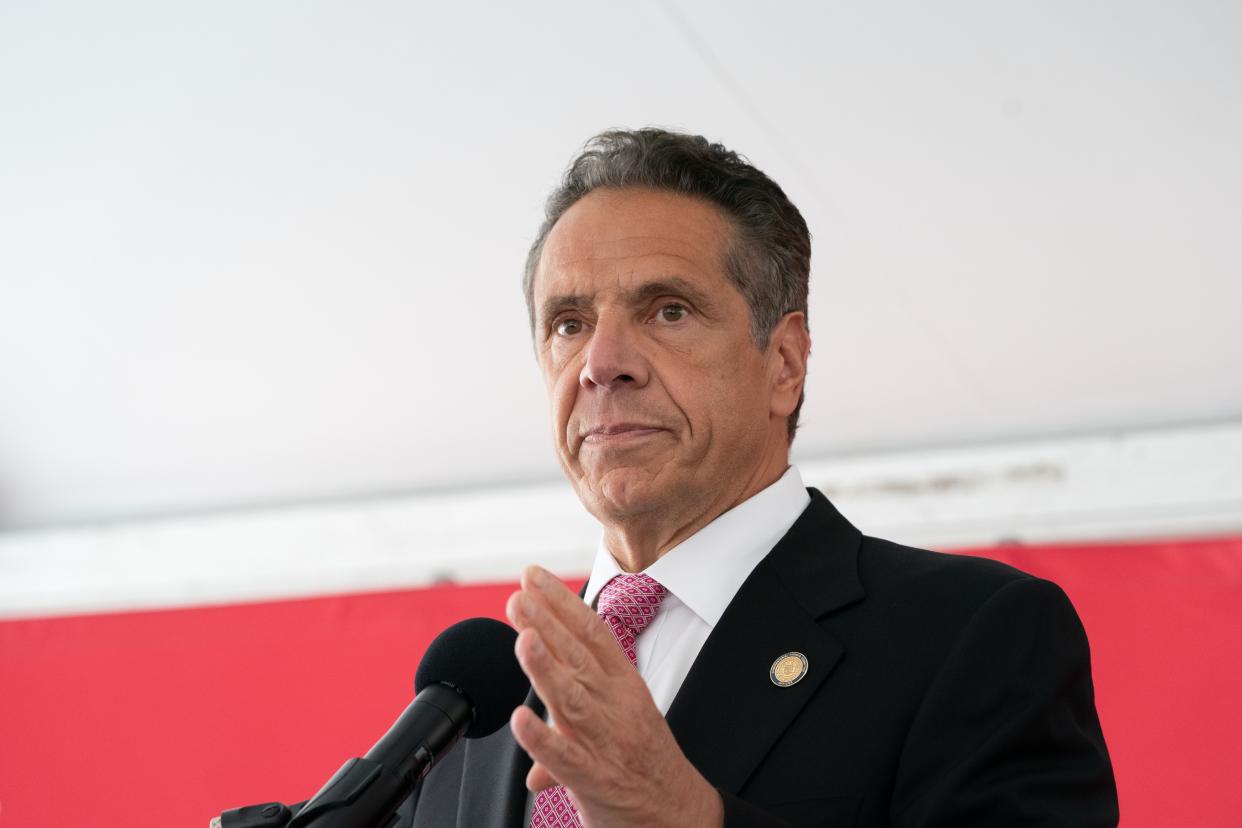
[
  {"x": 368, "y": 791},
  {"x": 468, "y": 683}
]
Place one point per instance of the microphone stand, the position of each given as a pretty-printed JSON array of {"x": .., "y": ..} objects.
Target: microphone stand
[
  {"x": 265, "y": 815},
  {"x": 366, "y": 792}
]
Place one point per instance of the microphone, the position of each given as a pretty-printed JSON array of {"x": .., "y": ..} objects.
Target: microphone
[{"x": 468, "y": 682}]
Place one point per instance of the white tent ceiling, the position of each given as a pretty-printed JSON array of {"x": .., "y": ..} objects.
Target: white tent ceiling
[{"x": 262, "y": 252}]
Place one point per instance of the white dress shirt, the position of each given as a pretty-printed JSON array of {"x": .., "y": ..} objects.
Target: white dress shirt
[{"x": 702, "y": 574}]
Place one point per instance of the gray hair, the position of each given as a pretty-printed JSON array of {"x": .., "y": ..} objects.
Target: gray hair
[{"x": 769, "y": 259}]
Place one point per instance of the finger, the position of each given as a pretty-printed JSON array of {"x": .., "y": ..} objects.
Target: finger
[
  {"x": 520, "y": 609},
  {"x": 540, "y": 778},
  {"x": 558, "y": 756},
  {"x": 584, "y": 643},
  {"x": 563, "y": 690},
  {"x": 580, "y": 620},
  {"x": 548, "y": 589},
  {"x": 527, "y": 612}
]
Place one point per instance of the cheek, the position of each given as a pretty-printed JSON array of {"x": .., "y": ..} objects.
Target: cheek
[
  {"x": 704, "y": 392},
  {"x": 555, "y": 379},
  {"x": 562, "y": 395},
  {"x": 737, "y": 395}
]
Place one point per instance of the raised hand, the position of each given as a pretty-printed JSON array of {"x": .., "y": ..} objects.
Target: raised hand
[{"x": 607, "y": 742}]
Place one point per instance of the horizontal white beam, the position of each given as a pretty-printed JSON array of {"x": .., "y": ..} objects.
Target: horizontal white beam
[{"x": 1138, "y": 484}]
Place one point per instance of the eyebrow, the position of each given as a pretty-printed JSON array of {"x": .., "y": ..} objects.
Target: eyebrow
[{"x": 672, "y": 285}]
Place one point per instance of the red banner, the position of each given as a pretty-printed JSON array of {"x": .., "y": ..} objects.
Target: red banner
[{"x": 166, "y": 718}]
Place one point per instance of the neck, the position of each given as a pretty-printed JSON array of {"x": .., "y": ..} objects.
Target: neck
[{"x": 638, "y": 541}]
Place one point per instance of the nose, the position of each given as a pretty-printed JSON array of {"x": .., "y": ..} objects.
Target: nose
[{"x": 613, "y": 358}]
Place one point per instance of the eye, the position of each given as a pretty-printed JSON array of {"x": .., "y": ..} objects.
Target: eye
[
  {"x": 673, "y": 312},
  {"x": 569, "y": 327}
]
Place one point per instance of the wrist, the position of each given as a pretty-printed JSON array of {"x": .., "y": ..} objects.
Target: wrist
[
  {"x": 706, "y": 805},
  {"x": 687, "y": 799},
  {"x": 713, "y": 812}
]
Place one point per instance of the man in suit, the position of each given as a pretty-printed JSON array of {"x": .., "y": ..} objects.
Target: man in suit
[{"x": 741, "y": 655}]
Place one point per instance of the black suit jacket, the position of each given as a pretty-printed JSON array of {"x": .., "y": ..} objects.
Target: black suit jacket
[{"x": 942, "y": 690}]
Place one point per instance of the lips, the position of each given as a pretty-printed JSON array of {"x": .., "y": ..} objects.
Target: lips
[{"x": 619, "y": 433}]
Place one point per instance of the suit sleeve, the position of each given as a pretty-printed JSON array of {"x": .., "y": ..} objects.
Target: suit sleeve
[{"x": 1007, "y": 733}]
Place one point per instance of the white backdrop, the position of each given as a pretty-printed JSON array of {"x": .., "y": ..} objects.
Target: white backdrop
[
  {"x": 266, "y": 252},
  {"x": 1136, "y": 485}
]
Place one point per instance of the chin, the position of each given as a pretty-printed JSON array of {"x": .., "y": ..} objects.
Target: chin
[{"x": 622, "y": 492}]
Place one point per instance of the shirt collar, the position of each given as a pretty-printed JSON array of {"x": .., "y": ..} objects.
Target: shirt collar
[{"x": 707, "y": 569}]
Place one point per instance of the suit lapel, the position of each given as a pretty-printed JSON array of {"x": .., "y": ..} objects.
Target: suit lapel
[
  {"x": 729, "y": 713},
  {"x": 497, "y": 766},
  {"x": 494, "y": 771}
]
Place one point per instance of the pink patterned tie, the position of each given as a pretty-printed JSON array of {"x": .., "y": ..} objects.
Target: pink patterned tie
[{"x": 627, "y": 603}]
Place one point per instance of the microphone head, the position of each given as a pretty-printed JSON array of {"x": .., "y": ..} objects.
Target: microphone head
[{"x": 476, "y": 656}]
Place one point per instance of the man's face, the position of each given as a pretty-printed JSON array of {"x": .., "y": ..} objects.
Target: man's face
[{"x": 660, "y": 398}]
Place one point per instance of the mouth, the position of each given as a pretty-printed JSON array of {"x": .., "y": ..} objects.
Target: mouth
[{"x": 619, "y": 433}]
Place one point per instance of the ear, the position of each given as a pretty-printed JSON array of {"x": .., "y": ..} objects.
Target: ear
[{"x": 788, "y": 350}]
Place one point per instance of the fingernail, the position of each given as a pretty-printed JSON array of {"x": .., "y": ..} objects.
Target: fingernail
[
  {"x": 538, "y": 576},
  {"x": 526, "y": 608}
]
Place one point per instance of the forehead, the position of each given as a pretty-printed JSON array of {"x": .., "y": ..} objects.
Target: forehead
[{"x": 618, "y": 238}]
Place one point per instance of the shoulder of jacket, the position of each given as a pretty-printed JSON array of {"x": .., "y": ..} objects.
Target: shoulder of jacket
[{"x": 887, "y": 568}]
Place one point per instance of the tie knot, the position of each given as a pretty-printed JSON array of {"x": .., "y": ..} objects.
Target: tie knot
[{"x": 628, "y": 603}]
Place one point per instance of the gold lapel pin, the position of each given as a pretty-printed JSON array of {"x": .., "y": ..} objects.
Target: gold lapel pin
[{"x": 789, "y": 669}]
